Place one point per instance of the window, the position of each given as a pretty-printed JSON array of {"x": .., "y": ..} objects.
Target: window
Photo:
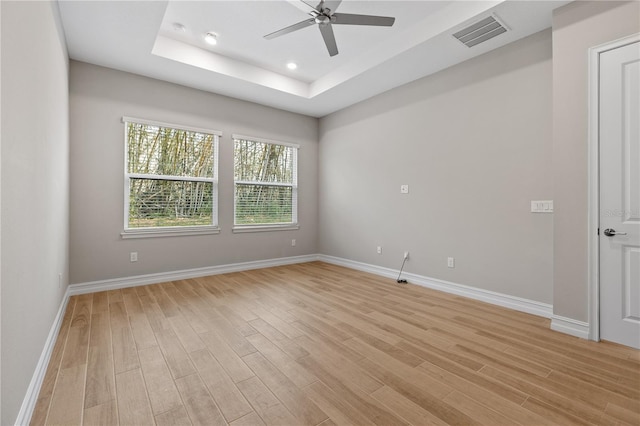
[
  {"x": 266, "y": 184},
  {"x": 171, "y": 179}
]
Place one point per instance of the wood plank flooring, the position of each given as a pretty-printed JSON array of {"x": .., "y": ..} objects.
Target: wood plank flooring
[{"x": 317, "y": 344}]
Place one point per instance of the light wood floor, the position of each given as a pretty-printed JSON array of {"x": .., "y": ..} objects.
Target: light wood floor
[{"x": 316, "y": 344}]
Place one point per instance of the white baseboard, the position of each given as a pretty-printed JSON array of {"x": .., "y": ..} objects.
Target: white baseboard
[
  {"x": 31, "y": 397},
  {"x": 570, "y": 326},
  {"x": 116, "y": 283},
  {"x": 565, "y": 325},
  {"x": 505, "y": 300}
]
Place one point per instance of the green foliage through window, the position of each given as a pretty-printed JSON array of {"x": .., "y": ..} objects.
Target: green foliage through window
[
  {"x": 265, "y": 182},
  {"x": 171, "y": 176}
]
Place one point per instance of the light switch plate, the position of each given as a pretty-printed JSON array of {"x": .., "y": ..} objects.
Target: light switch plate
[{"x": 542, "y": 206}]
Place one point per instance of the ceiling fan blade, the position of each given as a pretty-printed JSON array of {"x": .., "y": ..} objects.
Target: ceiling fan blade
[
  {"x": 351, "y": 19},
  {"x": 291, "y": 28},
  {"x": 309, "y": 3},
  {"x": 329, "y": 39},
  {"x": 332, "y": 5}
]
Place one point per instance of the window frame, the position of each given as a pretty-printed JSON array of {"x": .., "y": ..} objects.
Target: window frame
[
  {"x": 148, "y": 232},
  {"x": 284, "y": 226}
]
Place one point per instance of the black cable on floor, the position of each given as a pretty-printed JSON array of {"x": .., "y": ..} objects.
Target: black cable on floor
[{"x": 398, "y": 280}]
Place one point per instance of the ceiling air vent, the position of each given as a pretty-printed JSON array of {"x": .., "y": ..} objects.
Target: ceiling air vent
[{"x": 480, "y": 32}]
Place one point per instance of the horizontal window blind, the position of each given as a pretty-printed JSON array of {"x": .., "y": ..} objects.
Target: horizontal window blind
[
  {"x": 160, "y": 203},
  {"x": 265, "y": 177},
  {"x": 170, "y": 176}
]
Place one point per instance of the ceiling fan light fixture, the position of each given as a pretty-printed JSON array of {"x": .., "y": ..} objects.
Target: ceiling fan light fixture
[
  {"x": 211, "y": 38},
  {"x": 292, "y": 65},
  {"x": 325, "y": 18}
]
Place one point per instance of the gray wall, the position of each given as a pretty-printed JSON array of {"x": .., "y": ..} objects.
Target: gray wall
[
  {"x": 474, "y": 144},
  {"x": 577, "y": 27},
  {"x": 99, "y": 97},
  {"x": 1, "y": 211},
  {"x": 35, "y": 194}
]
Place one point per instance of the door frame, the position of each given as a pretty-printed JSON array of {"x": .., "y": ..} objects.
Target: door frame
[{"x": 593, "y": 173}]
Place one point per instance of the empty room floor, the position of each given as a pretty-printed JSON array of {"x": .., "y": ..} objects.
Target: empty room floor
[{"x": 318, "y": 344}]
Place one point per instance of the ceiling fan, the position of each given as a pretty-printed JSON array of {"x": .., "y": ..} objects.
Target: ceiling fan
[{"x": 324, "y": 14}]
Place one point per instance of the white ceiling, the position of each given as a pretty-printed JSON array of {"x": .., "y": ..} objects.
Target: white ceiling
[{"x": 139, "y": 37}]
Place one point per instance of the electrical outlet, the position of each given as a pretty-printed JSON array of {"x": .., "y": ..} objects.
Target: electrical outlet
[
  {"x": 451, "y": 262},
  {"x": 406, "y": 255},
  {"x": 293, "y": 243},
  {"x": 379, "y": 249},
  {"x": 133, "y": 256},
  {"x": 404, "y": 189}
]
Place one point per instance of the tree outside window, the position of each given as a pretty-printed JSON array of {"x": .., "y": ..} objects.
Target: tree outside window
[
  {"x": 171, "y": 176},
  {"x": 265, "y": 176}
]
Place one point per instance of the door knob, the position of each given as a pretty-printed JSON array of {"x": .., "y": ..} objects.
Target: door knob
[{"x": 612, "y": 232}]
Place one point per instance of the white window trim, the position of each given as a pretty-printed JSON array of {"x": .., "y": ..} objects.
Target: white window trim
[
  {"x": 240, "y": 229},
  {"x": 170, "y": 231},
  {"x": 288, "y": 226},
  {"x": 126, "y": 119},
  {"x": 264, "y": 140}
]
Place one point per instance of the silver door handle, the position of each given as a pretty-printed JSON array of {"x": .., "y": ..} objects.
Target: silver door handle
[{"x": 612, "y": 232}]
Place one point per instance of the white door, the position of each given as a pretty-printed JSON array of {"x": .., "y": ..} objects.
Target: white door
[{"x": 619, "y": 138}]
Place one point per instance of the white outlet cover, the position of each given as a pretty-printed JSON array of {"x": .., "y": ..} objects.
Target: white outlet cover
[{"x": 404, "y": 189}]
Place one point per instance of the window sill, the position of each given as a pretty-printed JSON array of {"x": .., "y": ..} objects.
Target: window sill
[
  {"x": 239, "y": 229},
  {"x": 169, "y": 232}
]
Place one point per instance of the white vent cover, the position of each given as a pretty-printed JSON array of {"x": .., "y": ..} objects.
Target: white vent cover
[{"x": 480, "y": 32}]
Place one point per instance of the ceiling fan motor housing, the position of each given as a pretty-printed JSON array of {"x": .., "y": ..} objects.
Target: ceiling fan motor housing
[{"x": 323, "y": 19}]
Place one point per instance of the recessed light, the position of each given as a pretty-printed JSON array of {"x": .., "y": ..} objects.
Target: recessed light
[
  {"x": 292, "y": 65},
  {"x": 211, "y": 38},
  {"x": 177, "y": 26}
]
